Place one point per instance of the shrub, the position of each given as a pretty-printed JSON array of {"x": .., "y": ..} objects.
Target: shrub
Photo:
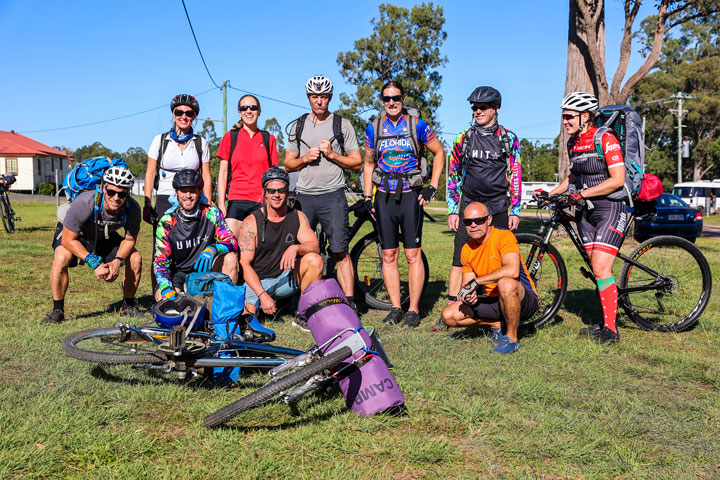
[{"x": 46, "y": 189}]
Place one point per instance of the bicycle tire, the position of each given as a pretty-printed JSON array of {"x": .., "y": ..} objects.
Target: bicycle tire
[
  {"x": 7, "y": 214},
  {"x": 550, "y": 278},
  {"x": 677, "y": 305},
  {"x": 86, "y": 345},
  {"x": 367, "y": 265},
  {"x": 276, "y": 387}
]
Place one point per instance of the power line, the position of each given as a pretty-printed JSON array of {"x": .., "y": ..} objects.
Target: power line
[
  {"x": 304, "y": 107},
  {"x": 108, "y": 120},
  {"x": 198, "y": 45}
]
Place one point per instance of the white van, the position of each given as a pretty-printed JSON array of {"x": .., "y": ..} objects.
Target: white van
[
  {"x": 528, "y": 188},
  {"x": 700, "y": 195}
]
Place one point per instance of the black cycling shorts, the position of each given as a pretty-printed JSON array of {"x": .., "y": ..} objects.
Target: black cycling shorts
[
  {"x": 241, "y": 209},
  {"x": 499, "y": 220},
  {"x": 404, "y": 215},
  {"x": 331, "y": 210},
  {"x": 162, "y": 204},
  {"x": 488, "y": 308},
  {"x": 603, "y": 227},
  {"x": 106, "y": 249}
]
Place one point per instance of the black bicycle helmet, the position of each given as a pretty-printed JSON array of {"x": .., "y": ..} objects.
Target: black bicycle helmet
[
  {"x": 187, "y": 178},
  {"x": 485, "y": 94},
  {"x": 275, "y": 173},
  {"x": 185, "y": 99}
]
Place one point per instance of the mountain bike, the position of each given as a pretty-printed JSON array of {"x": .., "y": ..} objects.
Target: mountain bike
[
  {"x": 366, "y": 257},
  {"x": 664, "y": 284},
  {"x": 8, "y": 214}
]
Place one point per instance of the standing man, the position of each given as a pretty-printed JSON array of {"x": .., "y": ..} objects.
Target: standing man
[
  {"x": 485, "y": 167},
  {"x": 89, "y": 233},
  {"x": 321, "y": 145}
]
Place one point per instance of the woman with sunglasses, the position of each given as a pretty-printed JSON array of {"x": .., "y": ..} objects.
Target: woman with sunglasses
[
  {"x": 602, "y": 220},
  {"x": 173, "y": 151},
  {"x": 245, "y": 153},
  {"x": 400, "y": 195}
]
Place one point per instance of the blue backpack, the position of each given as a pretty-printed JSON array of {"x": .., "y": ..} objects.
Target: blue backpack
[{"x": 88, "y": 174}]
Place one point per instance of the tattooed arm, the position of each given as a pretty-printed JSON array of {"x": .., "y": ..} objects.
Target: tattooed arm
[{"x": 247, "y": 241}]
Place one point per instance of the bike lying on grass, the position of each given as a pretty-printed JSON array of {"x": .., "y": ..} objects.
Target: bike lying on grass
[{"x": 664, "y": 284}]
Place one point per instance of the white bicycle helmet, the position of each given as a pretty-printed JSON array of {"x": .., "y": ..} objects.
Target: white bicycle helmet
[
  {"x": 119, "y": 176},
  {"x": 318, "y": 85},
  {"x": 580, "y": 102}
]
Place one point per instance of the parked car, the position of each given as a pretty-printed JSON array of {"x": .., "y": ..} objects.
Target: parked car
[{"x": 671, "y": 216}]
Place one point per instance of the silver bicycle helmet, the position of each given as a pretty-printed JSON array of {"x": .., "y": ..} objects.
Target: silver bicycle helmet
[
  {"x": 318, "y": 85},
  {"x": 580, "y": 102},
  {"x": 119, "y": 176}
]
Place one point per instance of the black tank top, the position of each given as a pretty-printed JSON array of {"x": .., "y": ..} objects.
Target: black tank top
[{"x": 273, "y": 238}]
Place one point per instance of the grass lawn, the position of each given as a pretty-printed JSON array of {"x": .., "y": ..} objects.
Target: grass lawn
[{"x": 562, "y": 407}]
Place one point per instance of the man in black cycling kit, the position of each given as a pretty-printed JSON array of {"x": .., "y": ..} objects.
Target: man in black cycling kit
[
  {"x": 279, "y": 252},
  {"x": 194, "y": 237},
  {"x": 321, "y": 145},
  {"x": 89, "y": 232},
  {"x": 485, "y": 167}
]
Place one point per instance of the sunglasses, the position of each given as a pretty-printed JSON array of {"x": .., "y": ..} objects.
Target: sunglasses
[
  {"x": 480, "y": 106},
  {"x": 477, "y": 221},
  {"x": 272, "y": 191},
  {"x": 115, "y": 193},
  {"x": 252, "y": 108},
  {"x": 569, "y": 116},
  {"x": 394, "y": 98},
  {"x": 188, "y": 113}
]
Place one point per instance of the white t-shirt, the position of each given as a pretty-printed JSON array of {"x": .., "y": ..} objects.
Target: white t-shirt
[{"x": 174, "y": 159}]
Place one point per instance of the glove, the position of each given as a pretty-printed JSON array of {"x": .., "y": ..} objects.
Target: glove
[
  {"x": 428, "y": 193},
  {"x": 575, "y": 198},
  {"x": 167, "y": 293},
  {"x": 539, "y": 193},
  {"x": 205, "y": 260},
  {"x": 369, "y": 206},
  {"x": 149, "y": 214},
  {"x": 93, "y": 261}
]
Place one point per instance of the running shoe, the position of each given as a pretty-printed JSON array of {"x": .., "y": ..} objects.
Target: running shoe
[
  {"x": 300, "y": 323},
  {"x": 56, "y": 316},
  {"x": 394, "y": 317},
  {"x": 606, "y": 336},
  {"x": 592, "y": 329},
  {"x": 439, "y": 325},
  {"x": 496, "y": 335},
  {"x": 131, "y": 311},
  {"x": 506, "y": 346},
  {"x": 412, "y": 319}
]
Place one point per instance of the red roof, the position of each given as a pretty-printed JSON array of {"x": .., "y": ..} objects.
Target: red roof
[{"x": 12, "y": 143}]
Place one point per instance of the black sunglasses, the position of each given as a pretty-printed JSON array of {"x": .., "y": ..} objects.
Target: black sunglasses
[
  {"x": 480, "y": 106},
  {"x": 116, "y": 193},
  {"x": 394, "y": 98},
  {"x": 253, "y": 108},
  {"x": 477, "y": 221},
  {"x": 188, "y": 113},
  {"x": 276, "y": 190}
]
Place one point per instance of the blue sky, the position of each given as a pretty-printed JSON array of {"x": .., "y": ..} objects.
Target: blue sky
[{"x": 78, "y": 62}]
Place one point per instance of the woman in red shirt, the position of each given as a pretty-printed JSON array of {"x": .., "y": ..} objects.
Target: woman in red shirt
[{"x": 251, "y": 157}]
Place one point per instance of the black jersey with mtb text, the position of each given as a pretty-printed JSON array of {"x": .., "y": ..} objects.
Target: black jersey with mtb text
[{"x": 589, "y": 167}]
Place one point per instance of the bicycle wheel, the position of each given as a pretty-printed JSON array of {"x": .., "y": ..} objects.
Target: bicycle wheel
[
  {"x": 111, "y": 346},
  {"x": 7, "y": 214},
  {"x": 277, "y": 387},
  {"x": 367, "y": 263},
  {"x": 677, "y": 294},
  {"x": 548, "y": 273}
]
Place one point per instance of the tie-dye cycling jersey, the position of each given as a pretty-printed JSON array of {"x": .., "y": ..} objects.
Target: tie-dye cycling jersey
[{"x": 396, "y": 154}]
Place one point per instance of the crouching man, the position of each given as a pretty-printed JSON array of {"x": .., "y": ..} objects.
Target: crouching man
[{"x": 497, "y": 288}]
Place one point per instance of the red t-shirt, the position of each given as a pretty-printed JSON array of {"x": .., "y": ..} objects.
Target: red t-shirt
[{"x": 248, "y": 164}]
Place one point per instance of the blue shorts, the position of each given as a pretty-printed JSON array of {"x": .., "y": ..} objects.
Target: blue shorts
[{"x": 281, "y": 286}]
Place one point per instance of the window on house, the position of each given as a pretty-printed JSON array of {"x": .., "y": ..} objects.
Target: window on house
[{"x": 11, "y": 166}]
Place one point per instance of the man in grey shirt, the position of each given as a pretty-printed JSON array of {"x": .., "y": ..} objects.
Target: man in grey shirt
[
  {"x": 322, "y": 144},
  {"x": 89, "y": 233}
]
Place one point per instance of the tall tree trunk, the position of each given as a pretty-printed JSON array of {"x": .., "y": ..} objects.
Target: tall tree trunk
[{"x": 580, "y": 75}]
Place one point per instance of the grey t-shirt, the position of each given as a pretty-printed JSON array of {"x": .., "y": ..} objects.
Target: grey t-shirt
[
  {"x": 322, "y": 175},
  {"x": 80, "y": 218}
]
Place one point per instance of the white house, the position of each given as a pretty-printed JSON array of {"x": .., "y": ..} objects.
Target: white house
[{"x": 30, "y": 161}]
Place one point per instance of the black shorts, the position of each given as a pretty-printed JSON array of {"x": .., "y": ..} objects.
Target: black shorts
[
  {"x": 240, "y": 209},
  {"x": 603, "y": 227},
  {"x": 106, "y": 249},
  {"x": 405, "y": 215},
  {"x": 500, "y": 220},
  {"x": 488, "y": 308},
  {"x": 331, "y": 210},
  {"x": 162, "y": 203}
]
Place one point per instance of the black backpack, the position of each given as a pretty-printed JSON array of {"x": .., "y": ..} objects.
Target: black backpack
[
  {"x": 336, "y": 126},
  {"x": 505, "y": 147},
  {"x": 197, "y": 139},
  {"x": 233, "y": 143}
]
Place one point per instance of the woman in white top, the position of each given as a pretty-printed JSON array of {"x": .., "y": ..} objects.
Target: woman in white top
[{"x": 171, "y": 152}]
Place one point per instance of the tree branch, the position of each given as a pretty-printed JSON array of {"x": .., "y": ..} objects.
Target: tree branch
[{"x": 625, "y": 47}]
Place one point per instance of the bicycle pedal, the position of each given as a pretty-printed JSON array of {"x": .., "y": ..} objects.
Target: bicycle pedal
[{"x": 177, "y": 337}]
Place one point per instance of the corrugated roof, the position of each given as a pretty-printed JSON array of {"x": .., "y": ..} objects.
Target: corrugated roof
[{"x": 12, "y": 143}]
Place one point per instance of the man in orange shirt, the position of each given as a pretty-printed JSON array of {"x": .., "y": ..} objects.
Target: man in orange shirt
[{"x": 497, "y": 287}]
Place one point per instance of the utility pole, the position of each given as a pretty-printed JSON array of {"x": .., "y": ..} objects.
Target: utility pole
[
  {"x": 680, "y": 96},
  {"x": 224, "y": 89}
]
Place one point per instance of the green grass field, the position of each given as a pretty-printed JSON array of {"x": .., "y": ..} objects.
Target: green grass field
[{"x": 562, "y": 407}]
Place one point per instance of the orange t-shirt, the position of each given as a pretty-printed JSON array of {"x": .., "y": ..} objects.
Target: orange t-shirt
[{"x": 481, "y": 259}]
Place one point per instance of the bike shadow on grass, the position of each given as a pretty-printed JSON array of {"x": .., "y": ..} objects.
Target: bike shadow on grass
[
  {"x": 33, "y": 229},
  {"x": 144, "y": 304}
]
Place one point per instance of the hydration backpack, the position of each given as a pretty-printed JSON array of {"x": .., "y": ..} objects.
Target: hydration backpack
[
  {"x": 336, "y": 127},
  {"x": 197, "y": 139},
  {"x": 626, "y": 124},
  {"x": 505, "y": 147},
  {"x": 88, "y": 174},
  {"x": 233, "y": 142}
]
